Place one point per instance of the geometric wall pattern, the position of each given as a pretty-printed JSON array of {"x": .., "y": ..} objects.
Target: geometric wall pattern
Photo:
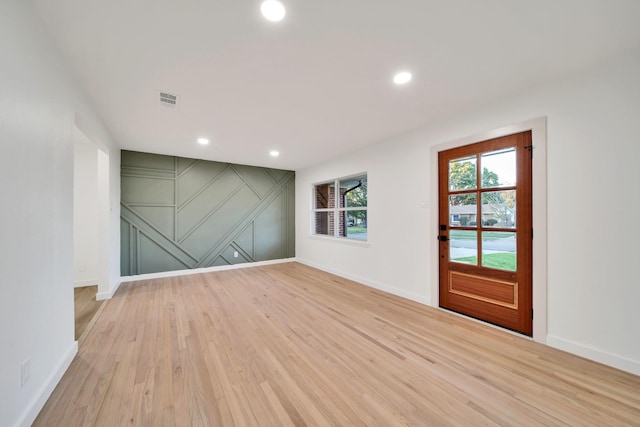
[{"x": 179, "y": 213}]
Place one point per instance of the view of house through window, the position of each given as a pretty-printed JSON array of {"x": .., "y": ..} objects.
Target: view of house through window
[{"x": 341, "y": 213}]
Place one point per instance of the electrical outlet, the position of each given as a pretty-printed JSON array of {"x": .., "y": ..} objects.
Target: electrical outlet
[
  {"x": 25, "y": 371},
  {"x": 235, "y": 254}
]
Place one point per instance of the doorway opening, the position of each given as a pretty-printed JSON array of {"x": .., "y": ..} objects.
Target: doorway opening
[
  {"x": 537, "y": 128},
  {"x": 90, "y": 228}
]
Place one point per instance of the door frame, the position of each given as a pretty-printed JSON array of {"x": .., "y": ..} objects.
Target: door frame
[
  {"x": 104, "y": 238},
  {"x": 538, "y": 128}
]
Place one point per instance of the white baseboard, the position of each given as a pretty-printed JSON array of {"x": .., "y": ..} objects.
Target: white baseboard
[
  {"x": 381, "y": 287},
  {"x": 38, "y": 402},
  {"x": 596, "y": 355},
  {"x": 100, "y": 296},
  {"x": 162, "y": 274},
  {"x": 83, "y": 283}
]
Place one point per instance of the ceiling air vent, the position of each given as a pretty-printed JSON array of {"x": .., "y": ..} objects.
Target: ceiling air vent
[{"x": 168, "y": 99}]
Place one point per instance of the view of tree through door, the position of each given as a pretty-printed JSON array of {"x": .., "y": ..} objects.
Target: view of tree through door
[{"x": 485, "y": 231}]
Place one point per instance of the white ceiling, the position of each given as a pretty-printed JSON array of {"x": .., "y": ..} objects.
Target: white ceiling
[{"x": 317, "y": 84}]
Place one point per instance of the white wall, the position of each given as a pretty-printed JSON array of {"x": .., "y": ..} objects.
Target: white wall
[
  {"x": 38, "y": 108},
  {"x": 592, "y": 205},
  {"x": 85, "y": 211}
]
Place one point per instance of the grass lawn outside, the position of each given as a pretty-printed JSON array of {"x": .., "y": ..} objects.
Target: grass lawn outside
[
  {"x": 356, "y": 230},
  {"x": 502, "y": 261}
]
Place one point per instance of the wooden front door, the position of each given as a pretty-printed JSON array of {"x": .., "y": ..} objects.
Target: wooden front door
[{"x": 485, "y": 231}]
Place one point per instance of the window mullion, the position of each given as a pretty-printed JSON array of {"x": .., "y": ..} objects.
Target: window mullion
[{"x": 336, "y": 207}]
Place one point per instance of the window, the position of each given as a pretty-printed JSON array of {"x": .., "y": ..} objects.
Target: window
[{"x": 341, "y": 213}]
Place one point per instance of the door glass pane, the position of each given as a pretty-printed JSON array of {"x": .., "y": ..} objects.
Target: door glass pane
[
  {"x": 499, "y": 168},
  {"x": 499, "y": 209},
  {"x": 463, "y": 210},
  {"x": 499, "y": 250},
  {"x": 463, "y": 246},
  {"x": 324, "y": 223},
  {"x": 462, "y": 174}
]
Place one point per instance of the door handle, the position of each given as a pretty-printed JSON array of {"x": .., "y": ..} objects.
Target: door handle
[{"x": 442, "y": 238}]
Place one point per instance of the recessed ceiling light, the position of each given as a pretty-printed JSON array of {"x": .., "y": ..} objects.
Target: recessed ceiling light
[
  {"x": 402, "y": 78},
  {"x": 203, "y": 141},
  {"x": 274, "y": 153},
  {"x": 273, "y": 10}
]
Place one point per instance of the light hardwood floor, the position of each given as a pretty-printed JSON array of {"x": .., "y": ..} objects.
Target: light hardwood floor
[
  {"x": 287, "y": 345},
  {"x": 86, "y": 307}
]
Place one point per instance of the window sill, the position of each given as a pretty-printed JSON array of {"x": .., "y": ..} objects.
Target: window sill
[{"x": 341, "y": 240}]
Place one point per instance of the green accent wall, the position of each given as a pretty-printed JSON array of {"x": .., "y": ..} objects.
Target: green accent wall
[{"x": 179, "y": 213}]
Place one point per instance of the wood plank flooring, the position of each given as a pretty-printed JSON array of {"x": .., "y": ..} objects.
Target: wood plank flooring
[
  {"x": 86, "y": 307},
  {"x": 288, "y": 345}
]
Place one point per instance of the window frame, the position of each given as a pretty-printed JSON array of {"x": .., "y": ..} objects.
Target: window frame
[{"x": 336, "y": 210}]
